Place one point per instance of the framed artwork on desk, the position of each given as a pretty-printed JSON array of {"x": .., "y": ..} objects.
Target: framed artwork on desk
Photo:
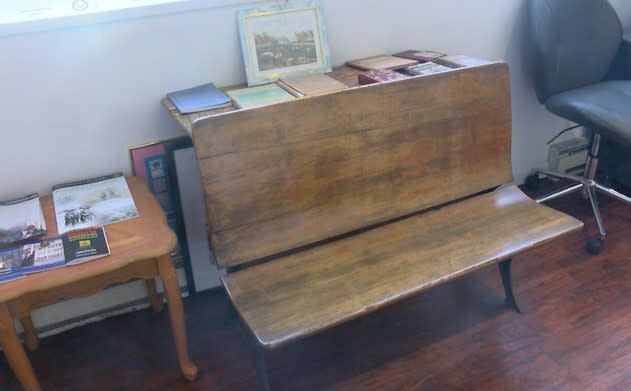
[
  {"x": 155, "y": 162},
  {"x": 280, "y": 40}
]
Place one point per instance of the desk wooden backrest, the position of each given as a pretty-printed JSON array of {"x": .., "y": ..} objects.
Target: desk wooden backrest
[{"x": 287, "y": 175}]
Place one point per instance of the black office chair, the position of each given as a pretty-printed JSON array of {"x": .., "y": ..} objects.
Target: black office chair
[{"x": 574, "y": 43}]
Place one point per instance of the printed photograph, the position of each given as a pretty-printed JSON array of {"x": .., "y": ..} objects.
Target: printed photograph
[
  {"x": 284, "y": 40},
  {"x": 93, "y": 204},
  {"x": 21, "y": 219}
]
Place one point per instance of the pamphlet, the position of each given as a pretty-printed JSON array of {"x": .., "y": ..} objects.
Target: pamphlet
[
  {"x": 42, "y": 255},
  {"x": 245, "y": 98},
  {"x": 10, "y": 264},
  {"x": 21, "y": 219},
  {"x": 84, "y": 245},
  {"x": 93, "y": 202},
  {"x": 71, "y": 248}
]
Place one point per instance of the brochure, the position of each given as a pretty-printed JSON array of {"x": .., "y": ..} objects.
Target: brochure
[
  {"x": 93, "y": 202},
  {"x": 21, "y": 219},
  {"x": 10, "y": 264},
  {"x": 71, "y": 248}
]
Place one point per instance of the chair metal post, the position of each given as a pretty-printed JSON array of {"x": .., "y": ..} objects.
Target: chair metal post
[
  {"x": 594, "y": 202},
  {"x": 588, "y": 187},
  {"x": 591, "y": 165},
  {"x": 582, "y": 95}
]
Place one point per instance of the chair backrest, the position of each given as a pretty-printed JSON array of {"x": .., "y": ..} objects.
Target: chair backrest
[
  {"x": 574, "y": 43},
  {"x": 282, "y": 176}
]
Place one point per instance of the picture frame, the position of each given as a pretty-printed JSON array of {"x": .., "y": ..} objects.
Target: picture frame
[
  {"x": 155, "y": 162},
  {"x": 283, "y": 40}
]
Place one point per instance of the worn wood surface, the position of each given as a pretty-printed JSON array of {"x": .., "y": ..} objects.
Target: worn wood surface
[
  {"x": 574, "y": 334},
  {"x": 312, "y": 290},
  {"x": 287, "y": 175}
]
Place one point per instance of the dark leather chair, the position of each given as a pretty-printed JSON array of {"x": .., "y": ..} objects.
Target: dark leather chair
[{"x": 574, "y": 44}]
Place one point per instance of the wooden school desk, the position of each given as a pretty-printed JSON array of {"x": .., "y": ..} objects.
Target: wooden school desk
[{"x": 139, "y": 249}]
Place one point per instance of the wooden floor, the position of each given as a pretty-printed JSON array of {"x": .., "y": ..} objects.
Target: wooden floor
[{"x": 575, "y": 334}]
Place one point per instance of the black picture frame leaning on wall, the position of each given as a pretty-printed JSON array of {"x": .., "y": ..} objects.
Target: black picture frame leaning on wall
[{"x": 155, "y": 161}]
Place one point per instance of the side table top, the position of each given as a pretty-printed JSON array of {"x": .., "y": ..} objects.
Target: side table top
[{"x": 144, "y": 237}]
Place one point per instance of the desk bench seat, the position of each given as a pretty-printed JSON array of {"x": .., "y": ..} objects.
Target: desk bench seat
[
  {"x": 329, "y": 207},
  {"x": 312, "y": 290}
]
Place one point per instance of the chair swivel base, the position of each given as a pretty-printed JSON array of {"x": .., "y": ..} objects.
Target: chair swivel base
[{"x": 593, "y": 245}]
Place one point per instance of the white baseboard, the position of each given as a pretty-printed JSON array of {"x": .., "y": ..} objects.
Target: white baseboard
[{"x": 113, "y": 301}]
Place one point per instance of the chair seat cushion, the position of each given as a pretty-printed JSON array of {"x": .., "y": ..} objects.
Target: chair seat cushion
[{"x": 604, "y": 107}]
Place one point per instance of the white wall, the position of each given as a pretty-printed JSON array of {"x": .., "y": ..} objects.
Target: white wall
[{"x": 73, "y": 100}]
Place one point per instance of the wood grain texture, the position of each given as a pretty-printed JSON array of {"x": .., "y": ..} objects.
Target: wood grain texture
[
  {"x": 130, "y": 241},
  {"x": 287, "y": 175},
  {"x": 312, "y": 290},
  {"x": 574, "y": 334}
]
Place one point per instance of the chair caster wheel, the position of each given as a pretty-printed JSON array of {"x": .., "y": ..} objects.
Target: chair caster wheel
[
  {"x": 594, "y": 245},
  {"x": 532, "y": 181}
]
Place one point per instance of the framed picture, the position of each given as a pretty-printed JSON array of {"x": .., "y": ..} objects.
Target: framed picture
[
  {"x": 282, "y": 40},
  {"x": 155, "y": 162}
]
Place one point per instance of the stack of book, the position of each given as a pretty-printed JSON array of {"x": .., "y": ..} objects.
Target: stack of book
[
  {"x": 285, "y": 89},
  {"x": 385, "y": 68},
  {"x": 420, "y": 55},
  {"x": 310, "y": 85},
  {"x": 379, "y": 76},
  {"x": 375, "y": 69},
  {"x": 200, "y": 98},
  {"x": 382, "y": 61}
]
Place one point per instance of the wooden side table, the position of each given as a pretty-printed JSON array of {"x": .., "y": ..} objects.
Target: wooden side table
[{"x": 139, "y": 249}]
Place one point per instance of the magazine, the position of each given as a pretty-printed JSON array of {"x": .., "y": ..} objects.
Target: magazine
[
  {"x": 21, "y": 219},
  {"x": 71, "y": 248},
  {"x": 10, "y": 264},
  {"x": 93, "y": 202}
]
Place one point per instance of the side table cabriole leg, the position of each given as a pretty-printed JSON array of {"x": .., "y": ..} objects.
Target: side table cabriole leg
[
  {"x": 176, "y": 314},
  {"x": 30, "y": 334},
  {"x": 14, "y": 352},
  {"x": 505, "y": 270},
  {"x": 152, "y": 294}
]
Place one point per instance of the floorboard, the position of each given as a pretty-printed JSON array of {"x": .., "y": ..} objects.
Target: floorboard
[{"x": 575, "y": 334}]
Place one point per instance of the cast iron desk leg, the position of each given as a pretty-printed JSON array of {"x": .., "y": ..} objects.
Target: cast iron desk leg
[{"x": 508, "y": 286}]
